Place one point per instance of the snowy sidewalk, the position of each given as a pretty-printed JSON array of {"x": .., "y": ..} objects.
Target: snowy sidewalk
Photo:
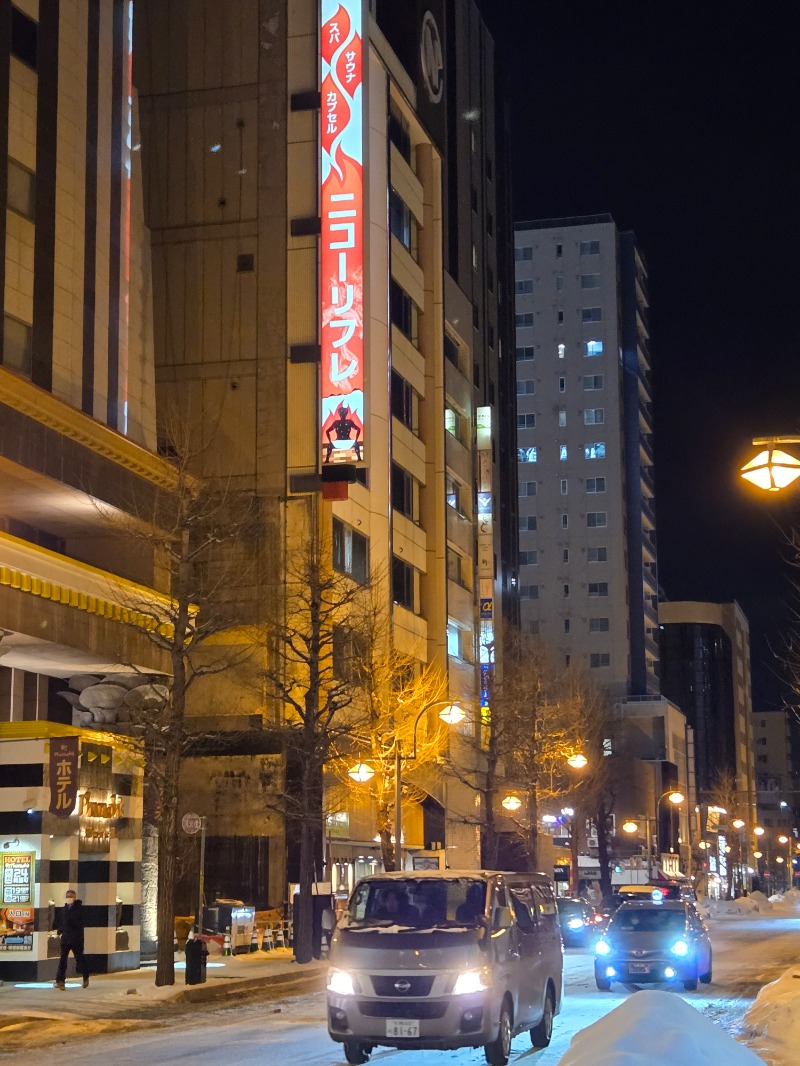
[{"x": 132, "y": 993}]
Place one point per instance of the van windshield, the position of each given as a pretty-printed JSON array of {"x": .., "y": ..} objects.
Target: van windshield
[{"x": 418, "y": 903}]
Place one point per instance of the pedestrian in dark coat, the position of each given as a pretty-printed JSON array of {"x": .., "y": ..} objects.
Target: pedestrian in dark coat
[{"x": 69, "y": 924}]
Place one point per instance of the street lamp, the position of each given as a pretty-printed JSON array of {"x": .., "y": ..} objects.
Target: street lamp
[
  {"x": 783, "y": 839},
  {"x": 451, "y": 713},
  {"x": 577, "y": 761},
  {"x": 633, "y": 827},
  {"x": 772, "y": 469},
  {"x": 676, "y": 799}
]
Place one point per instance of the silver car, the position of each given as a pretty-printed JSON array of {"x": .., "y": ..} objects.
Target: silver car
[
  {"x": 654, "y": 942},
  {"x": 445, "y": 960}
]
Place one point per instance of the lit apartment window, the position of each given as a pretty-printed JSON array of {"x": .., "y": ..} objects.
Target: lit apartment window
[
  {"x": 526, "y": 455},
  {"x": 522, "y": 255},
  {"x": 595, "y": 484},
  {"x": 17, "y": 345},
  {"x": 527, "y": 523},
  {"x": 523, "y": 321},
  {"x": 350, "y": 552},
  {"x": 598, "y": 589},
  {"x": 598, "y": 625},
  {"x": 596, "y": 519},
  {"x": 590, "y": 281},
  {"x": 591, "y": 314},
  {"x": 21, "y": 190},
  {"x": 525, "y": 354},
  {"x": 596, "y": 450},
  {"x": 562, "y": 351},
  {"x": 590, "y": 247},
  {"x": 453, "y": 640},
  {"x": 526, "y": 388},
  {"x": 592, "y": 382},
  {"x": 594, "y": 416},
  {"x": 526, "y": 421},
  {"x": 403, "y": 583},
  {"x": 527, "y": 488},
  {"x": 562, "y": 418},
  {"x": 599, "y": 659},
  {"x": 594, "y": 348},
  {"x": 453, "y": 491},
  {"x": 562, "y": 452}
]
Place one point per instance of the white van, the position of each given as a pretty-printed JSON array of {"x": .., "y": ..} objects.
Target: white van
[{"x": 445, "y": 959}]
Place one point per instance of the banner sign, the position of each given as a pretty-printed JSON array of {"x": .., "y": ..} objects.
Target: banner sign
[
  {"x": 18, "y": 874},
  {"x": 63, "y": 775},
  {"x": 342, "y": 233}
]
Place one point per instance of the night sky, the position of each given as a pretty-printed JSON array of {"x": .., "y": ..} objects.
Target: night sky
[{"x": 681, "y": 120}]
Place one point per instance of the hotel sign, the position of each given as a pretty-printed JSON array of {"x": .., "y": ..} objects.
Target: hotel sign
[
  {"x": 342, "y": 233},
  {"x": 63, "y": 775}
]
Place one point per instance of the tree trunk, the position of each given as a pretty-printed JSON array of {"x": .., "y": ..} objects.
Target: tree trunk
[
  {"x": 602, "y": 848},
  {"x": 533, "y": 829},
  {"x": 303, "y": 939},
  {"x": 490, "y": 840},
  {"x": 167, "y": 847},
  {"x": 387, "y": 849}
]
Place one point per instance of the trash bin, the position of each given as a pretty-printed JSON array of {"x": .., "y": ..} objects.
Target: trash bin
[{"x": 196, "y": 959}]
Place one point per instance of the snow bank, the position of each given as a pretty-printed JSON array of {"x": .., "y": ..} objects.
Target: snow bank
[
  {"x": 755, "y": 903},
  {"x": 774, "y": 1019},
  {"x": 655, "y": 1028},
  {"x": 787, "y": 905}
]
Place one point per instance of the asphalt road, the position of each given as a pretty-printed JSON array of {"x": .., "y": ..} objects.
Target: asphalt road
[{"x": 272, "y": 1029}]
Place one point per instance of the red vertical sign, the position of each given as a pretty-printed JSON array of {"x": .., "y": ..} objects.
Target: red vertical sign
[{"x": 342, "y": 211}]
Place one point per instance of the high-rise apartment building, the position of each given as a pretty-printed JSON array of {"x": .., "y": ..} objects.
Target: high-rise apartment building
[
  {"x": 332, "y": 256},
  {"x": 587, "y": 550}
]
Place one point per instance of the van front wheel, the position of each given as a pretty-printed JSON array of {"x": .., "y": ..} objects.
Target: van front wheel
[
  {"x": 541, "y": 1033},
  {"x": 357, "y": 1054},
  {"x": 498, "y": 1051}
]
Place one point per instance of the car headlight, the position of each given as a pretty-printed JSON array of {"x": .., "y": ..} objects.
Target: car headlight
[
  {"x": 340, "y": 982},
  {"x": 575, "y": 923},
  {"x": 680, "y": 948},
  {"x": 602, "y": 947},
  {"x": 469, "y": 981}
]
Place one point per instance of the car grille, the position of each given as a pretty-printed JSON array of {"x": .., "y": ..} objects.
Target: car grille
[
  {"x": 417, "y": 986},
  {"x": 404, "y": 1008}
]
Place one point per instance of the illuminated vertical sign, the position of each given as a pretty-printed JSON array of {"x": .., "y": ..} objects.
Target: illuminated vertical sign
[
  {"x": 342, "y": 244},
  {"x": 63, "y": 775}
]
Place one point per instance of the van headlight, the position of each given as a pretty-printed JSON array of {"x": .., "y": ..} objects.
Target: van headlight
[
  {"x": 340, "y": 982},
  {"x": 680, "y": 948},
  {"x": 469, "y": 981},
  {"x": 602, "y": 947}
]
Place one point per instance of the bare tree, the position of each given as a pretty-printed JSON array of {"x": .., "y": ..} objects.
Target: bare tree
[
  {"x": 310, "y": 673},
  {"x": 204, "y": 538}
]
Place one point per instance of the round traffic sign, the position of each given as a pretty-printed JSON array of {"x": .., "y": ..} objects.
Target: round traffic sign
[{"x": 190, "y": 823}]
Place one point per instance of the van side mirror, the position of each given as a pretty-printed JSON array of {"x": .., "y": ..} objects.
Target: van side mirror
[{"x": 328, "y": 920}]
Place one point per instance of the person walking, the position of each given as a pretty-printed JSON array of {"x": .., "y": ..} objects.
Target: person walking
[{"x": 69, "y": 924}]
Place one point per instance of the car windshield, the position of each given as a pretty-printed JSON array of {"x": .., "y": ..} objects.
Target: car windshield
[
  {"x": 648, "y": 920},
  {"x": 420, "y": 903},
  {"x": 569, "y": 906}
]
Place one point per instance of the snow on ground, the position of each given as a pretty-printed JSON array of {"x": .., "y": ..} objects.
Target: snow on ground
[
  {"x": 774, "y": 1019},
  {"x": 786, "y": 905},
  {"x": 655, "y": 1028}
]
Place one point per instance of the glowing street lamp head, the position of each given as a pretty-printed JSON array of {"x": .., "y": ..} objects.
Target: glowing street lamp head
[
  {"x": 630, "y": 827},
  {"x": 772, "y": 470},
  {"x": 361, "y": 772},
  {"x": 759, "y": 830},
  {"x": 577, "y": 761},
  {"x": 676, "y": 798},
  {"x": 757, "y": 854},
  {"x": 783, "y": 839},
  {"x": 452, "y": 714},
  {"x": 738, "y": 823},
  {"x": 512, "y": 803}
]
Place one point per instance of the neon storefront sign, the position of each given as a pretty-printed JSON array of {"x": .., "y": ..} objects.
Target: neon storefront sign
[{"x": 342, "y": 233}]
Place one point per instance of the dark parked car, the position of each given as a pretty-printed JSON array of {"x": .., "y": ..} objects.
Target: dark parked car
[
  {"x": 577, "y": 919},
  {"x": 654, "y": 942}
]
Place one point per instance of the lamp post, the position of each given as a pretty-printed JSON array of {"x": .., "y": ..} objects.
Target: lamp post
[
  {"x": 452, "y": 714},
  {"x": 783, "y": 839},
  {"x": 632, "y": 826},
  {"x": 676, "y": 799}
]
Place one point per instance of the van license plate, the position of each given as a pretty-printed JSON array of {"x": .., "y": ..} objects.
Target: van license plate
[
  {"x": 402, "y": 1029},
  {"x": 639, "y": 967}
]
